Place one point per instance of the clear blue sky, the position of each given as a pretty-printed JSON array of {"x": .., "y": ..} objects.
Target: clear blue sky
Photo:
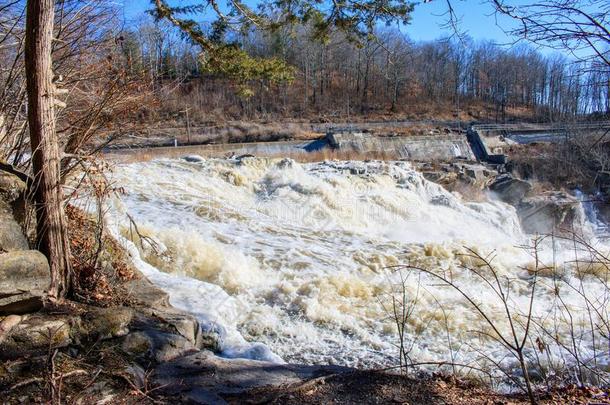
[{"x": 427, "y": 23}]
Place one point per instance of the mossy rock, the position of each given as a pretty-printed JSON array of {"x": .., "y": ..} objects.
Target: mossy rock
[
  {"x": 24, "y": 278},
  {"x": 37, "y": 333},
  {"x": 11, "y": 186},
  {"x": 138, "y": 344},
  {"x": 106, "y": 323}
]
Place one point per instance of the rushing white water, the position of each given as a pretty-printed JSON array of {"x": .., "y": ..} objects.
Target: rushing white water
[
  {"x": 590, "y": 211},
  {"x": 301, "y": 258}
]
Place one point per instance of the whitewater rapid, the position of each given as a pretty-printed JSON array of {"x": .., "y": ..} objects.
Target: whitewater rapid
[{"x": 299, "y": 262}]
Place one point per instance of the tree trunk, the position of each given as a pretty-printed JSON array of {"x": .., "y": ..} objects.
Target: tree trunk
[{"x": 51, "y": 222}]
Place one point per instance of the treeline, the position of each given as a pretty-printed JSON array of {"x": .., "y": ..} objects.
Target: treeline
[
  {"x": 118, "y": 77},
  {"x": 388, "y": 74}
]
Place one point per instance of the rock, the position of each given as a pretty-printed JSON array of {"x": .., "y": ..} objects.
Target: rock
[
  {"x": 509, "y": 189},
  {"x": 187, "y": 326},
  {"x": 440, "y": 200},
  {"x": 7, "y": 324},
  {"x": 103, "y": 391},
  {"x": 549, "y": 212},
  {"x": 24, "y": 278},
  {"x": 138, "y": 344},
  {"x": 154, "y": 304},
  {"x": 443, "y": 178},
  {"x": 168, "y": 346},
  {"x": 184, "y": 324},
  {"x": 211, "y": 337},
  {"x": 38, "y": 333},
  {"x": 137, "y": 375},
  {"x": 457, "y": 174},
  {"x": 476, "y": 174},
  {"x": 203, "y": 377},
  {"x": 162, "y": 346},
  {"x": 193, "y": 159},
  {"x": 143, "y": 292},
  {"x": 11, "y": 234},
  {"x": 106, "y": 323},
  {"x": 11, "y": 187},
  {"x": 12, "y": 194}
]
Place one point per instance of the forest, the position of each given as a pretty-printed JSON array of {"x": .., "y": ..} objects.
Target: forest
[
  {"x": 385, "y": 74},
  {"x": 124, "y": 74}
]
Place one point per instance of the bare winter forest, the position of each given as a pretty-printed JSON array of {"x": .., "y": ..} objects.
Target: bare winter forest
[
  {"x": 384, "y": 75},
  {"x": 117, "y": 73}
]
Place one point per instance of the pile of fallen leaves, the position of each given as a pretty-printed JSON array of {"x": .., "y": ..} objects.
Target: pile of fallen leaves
[
  {"x": 99, "y": 264},
  {"x": 573, "y": 394}
]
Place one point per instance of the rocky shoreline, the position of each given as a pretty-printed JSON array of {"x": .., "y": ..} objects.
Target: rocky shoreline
[
  {"x": 540, "y": 211},
  {"x": 153, "y": 344}
]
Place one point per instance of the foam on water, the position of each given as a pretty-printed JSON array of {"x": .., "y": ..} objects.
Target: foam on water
[{"x": 300, "y": 257}]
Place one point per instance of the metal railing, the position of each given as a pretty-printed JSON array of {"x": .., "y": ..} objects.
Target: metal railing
[{"x": 560, "y": 126}]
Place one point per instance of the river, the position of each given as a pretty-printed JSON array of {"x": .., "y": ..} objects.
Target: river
[{"x": 301, "y": 262}]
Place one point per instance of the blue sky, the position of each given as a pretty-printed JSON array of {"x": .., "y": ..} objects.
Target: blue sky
[{"x": 427, "y": 22}]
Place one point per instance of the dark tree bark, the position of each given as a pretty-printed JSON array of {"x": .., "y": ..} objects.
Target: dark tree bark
[{"x": 51, "y": 221}]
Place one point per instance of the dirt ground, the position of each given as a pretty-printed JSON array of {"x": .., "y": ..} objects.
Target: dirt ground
[{"x": 366, "y": 387}]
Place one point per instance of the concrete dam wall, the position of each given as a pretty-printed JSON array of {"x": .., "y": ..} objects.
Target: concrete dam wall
[
  {"x": 484, "y": 142},
  {"x": 443, "y": 147},
  {"x": 419, "y": 148}
]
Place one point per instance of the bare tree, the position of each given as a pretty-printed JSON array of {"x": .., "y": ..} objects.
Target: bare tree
[
  {"x": 51, "y": 223},
  {"x": 579, "y": 27}
]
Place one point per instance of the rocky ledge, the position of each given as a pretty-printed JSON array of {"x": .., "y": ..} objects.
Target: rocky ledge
[{"x": 541, "y": 212}]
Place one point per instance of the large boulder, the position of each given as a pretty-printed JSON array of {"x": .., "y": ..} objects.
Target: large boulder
[
  {"x": 476, "y": 173},
  {"x": 153, "y": 303},
  {"x": 203, "y": 378},
  {"x": 24, "y": 278},
  {"x": 509, "y": 189},
  {"x": 457, "y": 174},
  {"x": 11, "y": 235},
  {"x": 142, "y": 292},
  {"x": 549, "y": 212},
  {"x": 13, "y": 191},
  {"x": 106, "y": 323},
  {"x": 38, "y": 333},
  {"x": 11, "y": 186},
  {"x": 157, "y": 345}
]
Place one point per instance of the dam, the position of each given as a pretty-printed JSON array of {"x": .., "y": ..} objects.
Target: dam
[{"x": 480, "y": 142}]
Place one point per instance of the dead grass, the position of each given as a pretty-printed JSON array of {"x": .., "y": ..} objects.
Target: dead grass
[
  {"x": 221, "y": 133},
  {"x": 557, "y": 165},
  {"x": 148, "y": 154}
]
